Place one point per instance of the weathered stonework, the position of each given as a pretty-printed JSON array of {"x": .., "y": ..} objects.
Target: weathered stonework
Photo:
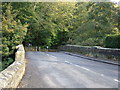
[
  {"x": 11, "y": 76},
  {"x": 94, "y": 51}
]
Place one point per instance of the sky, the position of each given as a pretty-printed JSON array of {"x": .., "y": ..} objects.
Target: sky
[{"x": 115, "y": 1}]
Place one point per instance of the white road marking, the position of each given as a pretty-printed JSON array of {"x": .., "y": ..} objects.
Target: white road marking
[
  {"x": 78, "y": 66},
  {"x": 85, "y": 68},
  {"x": 53, "y": 56},
  {"x": 102, "y": 74},
  {"x": 82, "y": 67},
  {"x": 67, "y": 62},
  {"x": 116, "y": 80},
  {"x": 48, "y": 54},
  {"x": 88, "y": 70}
]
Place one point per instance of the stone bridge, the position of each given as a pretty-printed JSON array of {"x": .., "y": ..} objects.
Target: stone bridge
[{"x": 65, "y": 70}]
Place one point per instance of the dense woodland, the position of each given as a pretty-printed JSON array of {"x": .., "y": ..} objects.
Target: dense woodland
[{"x": 59, "y": 23}]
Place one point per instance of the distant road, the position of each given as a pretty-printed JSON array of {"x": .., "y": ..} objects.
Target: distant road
[{"x": 59, "y": 70}]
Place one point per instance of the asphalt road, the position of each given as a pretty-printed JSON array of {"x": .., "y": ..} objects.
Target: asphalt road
[{"x": 59, "y": 70}]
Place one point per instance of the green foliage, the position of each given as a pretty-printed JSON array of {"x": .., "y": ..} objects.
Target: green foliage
[
  {"x": 13, "y": 32},
  {"x": 55, "y": 24},
  {"x": 93, "y": 21},
  {"x": 4, "y": 64},
  {"x": 112, "y": 41},
  {"x": 50, "y": 23},
  {"x": 0, "y": 65}
]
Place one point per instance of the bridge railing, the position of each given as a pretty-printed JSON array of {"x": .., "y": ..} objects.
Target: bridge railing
[
  {"x": 93, "y": 51},
  {"x": 12, "y": 75}
]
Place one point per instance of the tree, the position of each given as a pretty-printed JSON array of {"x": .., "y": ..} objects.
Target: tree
[
  {"x": 13, "y": 31},
  {"x": 51, "y": 22},
  {"x": 99, "y": 19}
]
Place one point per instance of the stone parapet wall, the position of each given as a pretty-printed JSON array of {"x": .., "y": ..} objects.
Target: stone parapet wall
[
  {"x": 93, "y": 50},
  {"x": 11, "y": 76}
]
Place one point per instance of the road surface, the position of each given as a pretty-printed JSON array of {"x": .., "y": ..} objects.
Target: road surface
[{"x": 59, "y": 70}]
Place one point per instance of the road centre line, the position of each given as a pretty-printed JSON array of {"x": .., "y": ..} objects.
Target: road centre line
[
  {"x": 116, "y": 80},
  {"x": 78, "y": 66},
  {"x": 89, "y": 70},
  {"x": 51, "y": 55},
  {"x": 102, "y": 75},
  {"x": 48, "y": 55},
  {"x": 82, "y": 67}
]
